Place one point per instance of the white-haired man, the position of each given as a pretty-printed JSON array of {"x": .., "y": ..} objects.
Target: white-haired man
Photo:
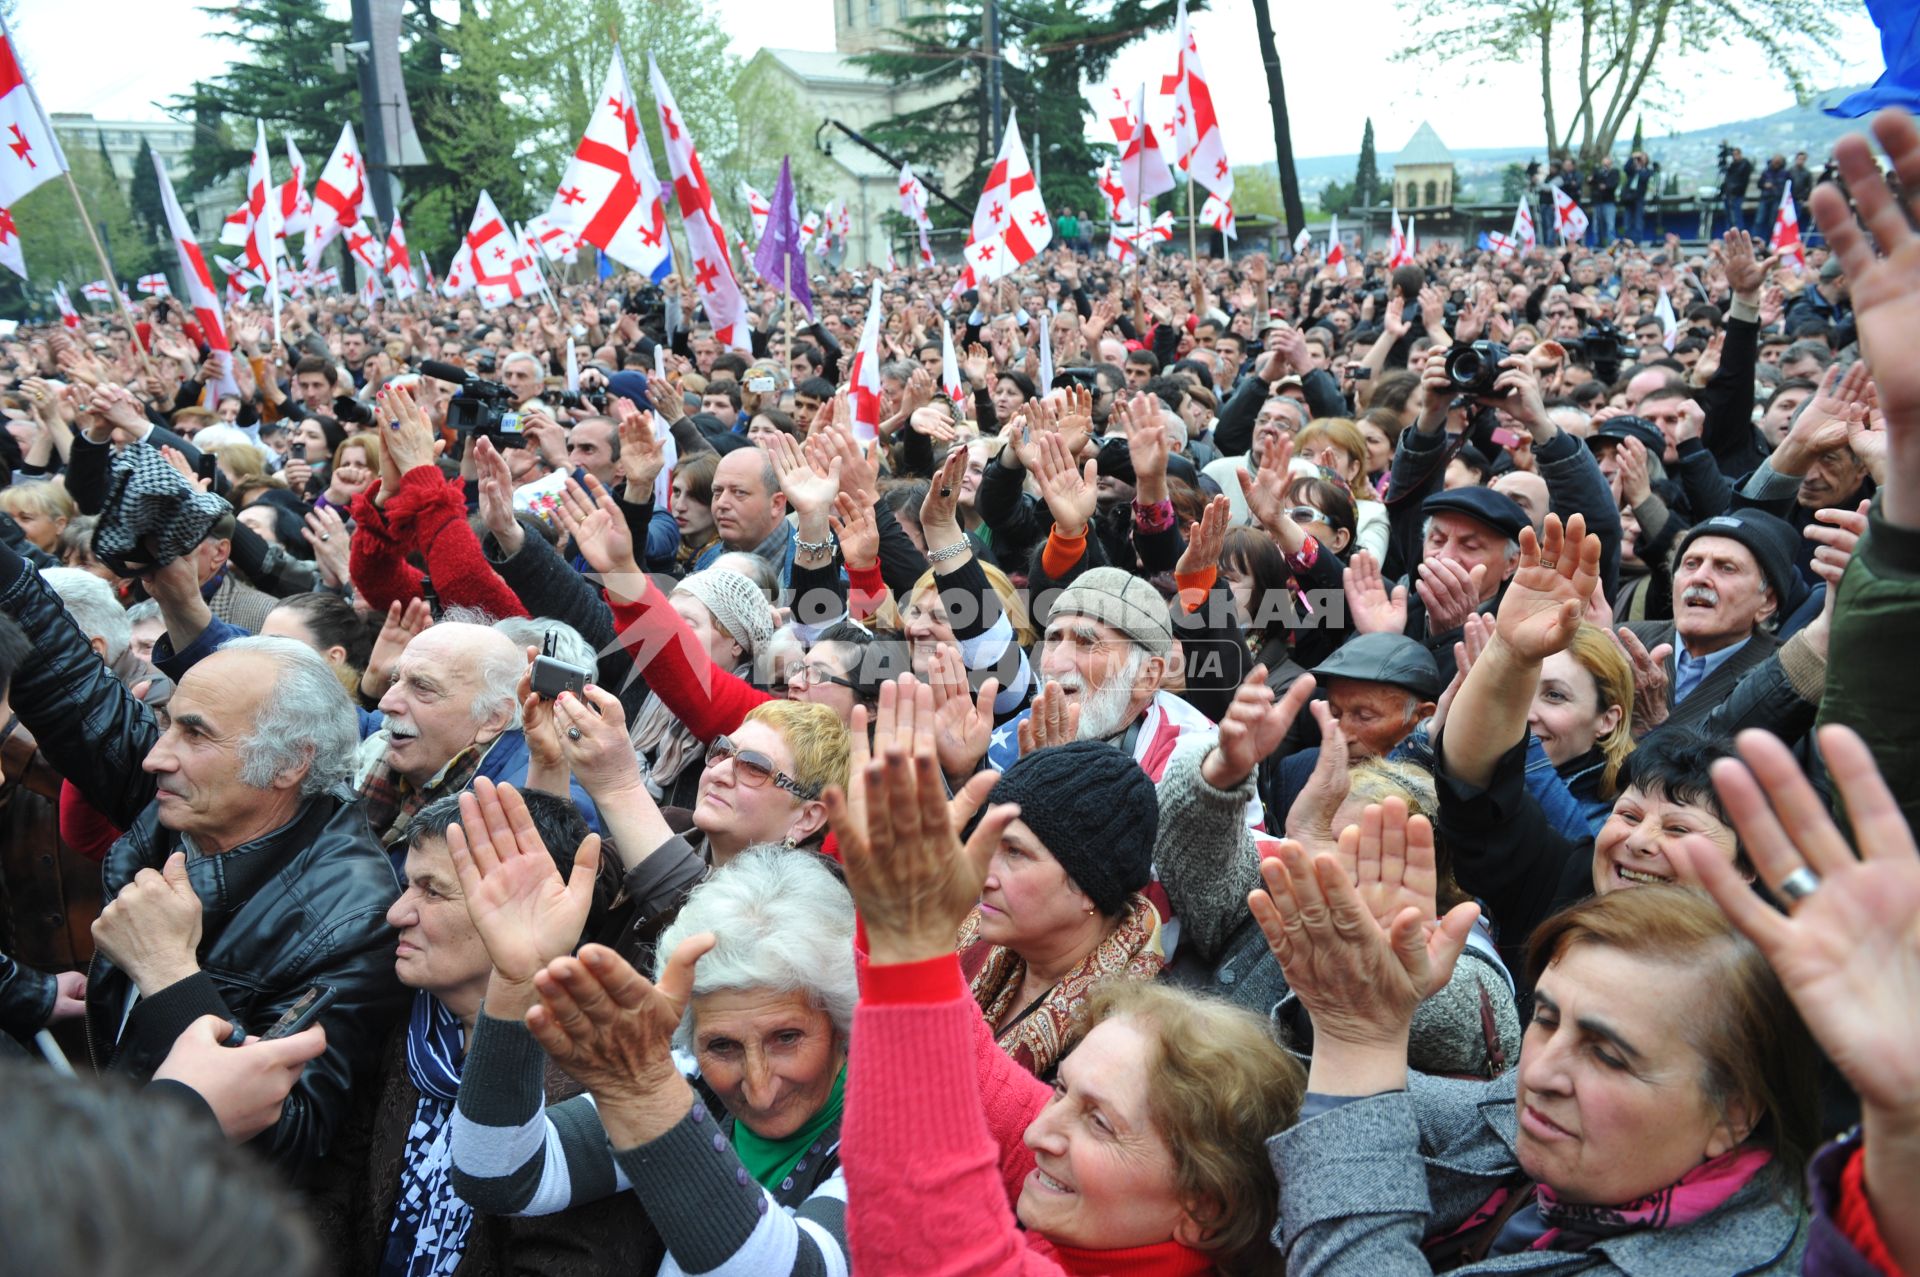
[{"x": 246, "y": 875}]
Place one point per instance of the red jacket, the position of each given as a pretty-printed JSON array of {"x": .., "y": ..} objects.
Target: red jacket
[{"x": 427, "y": 515}]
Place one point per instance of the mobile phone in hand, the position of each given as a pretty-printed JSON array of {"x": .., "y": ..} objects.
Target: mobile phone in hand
[{"x": 302, "y": 1014}]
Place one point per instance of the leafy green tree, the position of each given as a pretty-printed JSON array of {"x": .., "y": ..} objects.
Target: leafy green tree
[
  {"x": 1639, "y": 133},
  {"x": 1366, "y": 178},
  {"x": 55, "y": 241},
  {"x": 1256, "y": 192},
  {"x": 1337, "y": 198},
  {"x": 1513, "y": 182}
]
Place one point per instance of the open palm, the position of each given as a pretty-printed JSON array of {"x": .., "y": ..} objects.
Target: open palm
[
  {"x": 525, "y": 913},
  {"x": 1556, "y": 577}
]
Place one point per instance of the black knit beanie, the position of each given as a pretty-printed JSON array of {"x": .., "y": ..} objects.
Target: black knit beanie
[{"x": 1095, "y": 810}]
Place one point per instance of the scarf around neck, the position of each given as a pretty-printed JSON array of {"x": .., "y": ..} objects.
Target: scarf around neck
[
  {"x": 428, "y": 1235},
  {"x": 771, "y": 1161}
]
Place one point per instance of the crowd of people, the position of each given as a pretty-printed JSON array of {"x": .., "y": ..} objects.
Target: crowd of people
[{"x": 1362, "y": 762}]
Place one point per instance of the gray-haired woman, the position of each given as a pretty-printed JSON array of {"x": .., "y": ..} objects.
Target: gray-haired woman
[{"x": 757, "y": 996}]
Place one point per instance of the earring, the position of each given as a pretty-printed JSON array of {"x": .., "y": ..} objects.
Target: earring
[{"x": 789, "y": 841}]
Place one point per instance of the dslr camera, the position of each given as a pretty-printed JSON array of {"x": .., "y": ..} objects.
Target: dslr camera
[
  {"x": 583, "y": 401},
  {"x": 1475, "y": 367}
]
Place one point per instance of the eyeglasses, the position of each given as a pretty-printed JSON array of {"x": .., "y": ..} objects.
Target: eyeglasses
[
  {"x": 804, "y": 676},
  {"x": 1305, "y": 514},
  {"x": 754, "y": 769}
]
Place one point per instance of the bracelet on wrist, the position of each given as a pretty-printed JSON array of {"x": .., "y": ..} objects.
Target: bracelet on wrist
[
  {"x": 803, "y": 546},
  {"x": 954, "y": 551}
]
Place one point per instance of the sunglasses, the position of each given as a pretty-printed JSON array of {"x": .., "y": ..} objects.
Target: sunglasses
[
  {"x": 754, "y": 769},
  {"x": 1305, "y": 514}
]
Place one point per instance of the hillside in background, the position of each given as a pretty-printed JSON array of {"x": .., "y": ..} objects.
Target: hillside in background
[{"x": 1692, "y": 156}]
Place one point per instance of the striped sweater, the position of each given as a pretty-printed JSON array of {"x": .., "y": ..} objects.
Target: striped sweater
[{"x": 513, "y": 1155}]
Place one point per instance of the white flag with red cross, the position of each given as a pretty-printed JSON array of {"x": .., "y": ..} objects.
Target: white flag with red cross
[
  {"x": 913, "y": 197},
  {"x": 555, "y": 243},
  {"x": 707, "y": 239},
  {"x": 609, "y": 196},
  {"x": 12, "y": 256},
  {"x": 459, "y": 281},
  {"x": 328, "y": 278},
  {"x": 1522, "y": 235},
  {"x": 400, "y": 262},
  {"x": 1572, "y": 221},
  {"x": 97, "y": 291},
  {"x": 758, "y": 209},
  {"x": 29, "y": 152},
  {"x": 364, "y": 247},
  {"x": 1785, "y": 240},
  {"x": 1126, "y": 241},
  {"x": 926, "y": 250},
  {"x": 68, "y": 315},
  {"x": 863, "y": 378},
  {"x": 893, "y": 263},
  {"x": 263, "y": 213},
  {"x": 1336, "y": 251},
  {"x": 237, "y": 226},
  {"x": 1011, "y": 225},
  {"x": 1142, "y": 166},
  {"x": 1201, "y": 148},
  {"x": 1302, "y": 241},
  {"x": 154, "y": 286},
  {"x": 339, "y": 197},
  {"x": 950, "y": 381},
  {"x": 1112, "y": 192},
  {"x": 296, "y": 205},
  {"x": 1397, "y": 253},
  {"x": 500, "y": 271},
  {"x": 1218, "y": 213},
  {"x": 202, "y": 297},
  {"x": 809, "y": 229}
]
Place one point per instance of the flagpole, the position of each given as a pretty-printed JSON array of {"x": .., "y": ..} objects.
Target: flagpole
[
  {"x": 1193, "y": 231},
  {"x": 106, "y": 270},
  {"x": 786, "y": 303}
]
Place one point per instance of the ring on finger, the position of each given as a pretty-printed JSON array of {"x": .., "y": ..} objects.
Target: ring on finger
[
  {"x": 1798, "y": 885},
  {"x": 573, "y": 733}
]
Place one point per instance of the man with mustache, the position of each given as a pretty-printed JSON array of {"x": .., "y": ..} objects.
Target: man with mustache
[{"x": 1731, "y": 575}]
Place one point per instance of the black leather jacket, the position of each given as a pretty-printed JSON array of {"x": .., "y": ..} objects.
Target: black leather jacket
[{"x": 303, "y": 905}]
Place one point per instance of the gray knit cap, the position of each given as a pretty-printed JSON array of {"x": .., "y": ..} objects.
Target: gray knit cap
[
  {"x": 736, "y": 603},
  {"x": 1122, "y": 600}
]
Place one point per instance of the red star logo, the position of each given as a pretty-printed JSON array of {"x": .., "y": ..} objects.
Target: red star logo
[
  {"x": 22, "y": 149},
  {"x": 705, "y": 272},
  {"x": 571, "y": 195},
  {"x": 996, "y": 213},
  {"x": 666, "y": 118}
]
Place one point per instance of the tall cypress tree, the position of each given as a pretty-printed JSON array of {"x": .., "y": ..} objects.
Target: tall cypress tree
[
  {"x": 1366, "y": 178},
  {"x": 145, "y": 194},
  {"x": 1639, "y": 133}
]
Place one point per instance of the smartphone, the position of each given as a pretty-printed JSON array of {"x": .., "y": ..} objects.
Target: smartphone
[
  {"x": 302, "y": 1013},
  {"x": 297, "y": 452},
  {"x": 551, "y": 677},
  {"x": 1505, "y": 437},
  {"x": 206, "y": 465},
  {"x": 760, "y": 385}
]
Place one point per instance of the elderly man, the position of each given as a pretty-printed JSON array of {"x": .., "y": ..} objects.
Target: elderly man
[
  {"x": 1279, "y": 414},
  {"x": 246, "y": 876},
  {"x": 521, "y": 373},
  {"x": 749, "y": 512},
  {"x": 1730, "y": 574}
]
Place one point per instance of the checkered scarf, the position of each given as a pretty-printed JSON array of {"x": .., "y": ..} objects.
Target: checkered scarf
[{"x": 392, "y": 802}]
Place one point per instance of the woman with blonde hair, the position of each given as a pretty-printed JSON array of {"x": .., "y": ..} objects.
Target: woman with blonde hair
[
  {"x": 1337, "y": 446},
  {"x": 42, "y": 509},
  {"x": 1582, "y": 715}
]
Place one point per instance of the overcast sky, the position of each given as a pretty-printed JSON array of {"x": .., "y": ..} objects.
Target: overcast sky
[{"x": 117, "y": 58}]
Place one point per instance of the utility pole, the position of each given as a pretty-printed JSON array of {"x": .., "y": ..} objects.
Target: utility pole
[
  {"x": 990, "y": 42},
  {"x": 1282, "y": 130},
  {"x": 373, "y": 134}
]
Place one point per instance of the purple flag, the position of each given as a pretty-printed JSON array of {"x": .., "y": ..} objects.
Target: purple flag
[{"x": 780, "y": 245}]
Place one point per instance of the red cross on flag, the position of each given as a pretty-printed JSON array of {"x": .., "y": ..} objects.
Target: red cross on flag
[
  {"x": 98, "y": 291},
  {"x": 1125, "y": 241},
  {"x": 400, "y": 263},
  {"x": 12, "y": 256},
  {"x": 555, "y": 243},
  {"x": 201, "y": 295},
  {"x": 296, "y": 206},
  {"x": 1572, "y": 222},
  {"x": 370, "y": 290},
  {"x": 707, "y": 239},
  {"x": 950, "y": 381},
  {"x": 1011, "y": 225},
  {"x": 1201, "y": 148},
  {"x": 339, "y": 197},
  {"x": 758, "y": 209},
  {"x": 1502, "y": 245},
  {"x": 459, "y": 281},
  {"x": 1397, "y": 254},
  {"x": 263, "y": 213},
  {"x": 609, "y": 196},
  {"x": 1218, "y": 213},
  {"x": 1142, "y": 166},
  {"x": 233, "y": 231},
  {"x": 1522, "y": 235},
  {"x": 863, "y": 378},
  {"x": 328, "y": 278},
  {"x": 913, "y": 197},
  {"x": 1120, "y": 117},
  {"x": 154, "y": 286},
  {"x": 1785, "y": 240},
  {"x": 364, "y": 247},
  {"x": 809, "y": 230},
  {"x": 1336, "y": 251},
  {"x": 501, "y": 272},
  {"x": 926, "y": 250},
  {"x": 68, "y": 315},
  {"x": 29, "y": 153},
  {"x": 1114, "y": 193}
]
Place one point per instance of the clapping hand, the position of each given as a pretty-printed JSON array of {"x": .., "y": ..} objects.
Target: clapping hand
[
  {"x": 1253, "y": 727},
  {"x": 1374, "y": 610}
]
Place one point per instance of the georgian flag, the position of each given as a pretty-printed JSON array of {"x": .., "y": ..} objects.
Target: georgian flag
[
  {"x": 68, "y": 315},
  {"x": 501, "y": 272},
  {"x": 950, "y": 381},
  {"x": 12, "y": 255},
  {"x": 758, "y": 209},
  {"x": 1218, "y": 213},
  {"x": 863, "y": 378},
  {"x": 1572, "y": 222},
  {"x": 1785, "y": 240},
  {"x": 1142, "y": 166},
  {"x": 340, "y": 196},
  {"x": 1114, "y": 193},
  {"x": 1496, "y": 243},
  {"x": 926, "y": 250},
  {"x": 364, "y": 247},
  {"x": 201, "y": 294},
  {"x": 296, "y": 206},
  {"x": 1196, "y": 129},
  {"x": 1011, "y": 225},
  {"x": 1397, "y": 252},
  {"x": 809, "y": 228},
  {"x": 154, "y": 286},
  {"x": 707, "y": 239},
  {"x": 263, "y": 215},
  {"x": 609, "y": 196},
  {"x": 1121, "y": 118},
  {"x": 1669, "y": 322},
  {"x": 234, "y": 230},
  {"x": 554, "y": 243},
  {"x": 400, "y": 262},
  {"x": 1336, "y": 251},
  {"x": 1302, "y": 241},
  {"x": 97, "y": 291},
  {"x": 29, "y": 152},
  {"x": 459, "y": 280},
  {"x": 328, "y": 278},
  {"x": 370, "y": 290},
  {"x": 913, "y": 197},
  {"x": 1125, "y": 241},
  {"x": 1522, "y": 234}
]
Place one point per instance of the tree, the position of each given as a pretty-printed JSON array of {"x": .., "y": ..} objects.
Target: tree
[
  {"x": 1639, "y": 133},
  {"x": 1256, "y": 193},
  {"x": 1282, "y": 128},
  {"x": 1513, "y": 182},
  {"x": 1366, "y": 178},
  {"x": 145, "y": 195},
  {"x": 1615, "y": 47},
  {"x": 1337, "y": 198}
]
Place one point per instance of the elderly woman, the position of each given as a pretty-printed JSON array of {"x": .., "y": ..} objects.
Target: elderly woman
[
  {"x": 1061, "y": 909},
  {"x": 1142, "y": 1158},
  {"x": 388, "y": 1203},
  {"x": 757, "y": 995},
  {"x": 1638, "y": 1134}
]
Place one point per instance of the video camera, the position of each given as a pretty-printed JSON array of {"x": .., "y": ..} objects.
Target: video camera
[
  {"x": 1606, "y": 349},
  {"x": 584, "y": 401},
  {"x": 480, "y": 407}
]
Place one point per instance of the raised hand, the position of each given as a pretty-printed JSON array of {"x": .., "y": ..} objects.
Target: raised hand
[
  {"x": 599, "y": 533},
  {"x": 1206, "y": 538},
  {"x": 854, "y": 527},
  {"x": 1310, "y": 819},
  {"x": 962, "y": 720},
  {"x": 525, "y": 913},
  {"x": 593, "y": 739},
  {"x": 496, "y": 497},
  {"x": 1650, "y": 702},
  {"x": 1374, "y": 610},
  {"x": 402, "y": 623},
  {"x": 1475, "y": 634},
  {"x": 1254, "y": 725},
  {"x": 1052, "y": 720},
  {"x": 642, "y": 457},
  {"x": 1558, "y": 573},
  {"x": 1072, "y": 494},
  {"x": 1147, "y": 444},
  {"x": 810, "y": 486}
]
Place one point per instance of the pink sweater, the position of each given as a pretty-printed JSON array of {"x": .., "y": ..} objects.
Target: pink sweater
[{"x": 932, "y": 1144}]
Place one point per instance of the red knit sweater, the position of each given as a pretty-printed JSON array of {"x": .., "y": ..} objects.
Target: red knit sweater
[
  {"x": 427, "y": 514},
  {"x": 709, "y": 700},
  {"x": 932, "y": 1144}
]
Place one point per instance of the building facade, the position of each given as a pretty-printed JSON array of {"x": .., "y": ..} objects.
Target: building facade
[
  {"x": 1423, "y": 172},
  {"x": 170, "y": 140}
]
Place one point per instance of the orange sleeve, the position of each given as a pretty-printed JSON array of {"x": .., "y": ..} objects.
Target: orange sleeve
[{"x": 1061, "y": 553}]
